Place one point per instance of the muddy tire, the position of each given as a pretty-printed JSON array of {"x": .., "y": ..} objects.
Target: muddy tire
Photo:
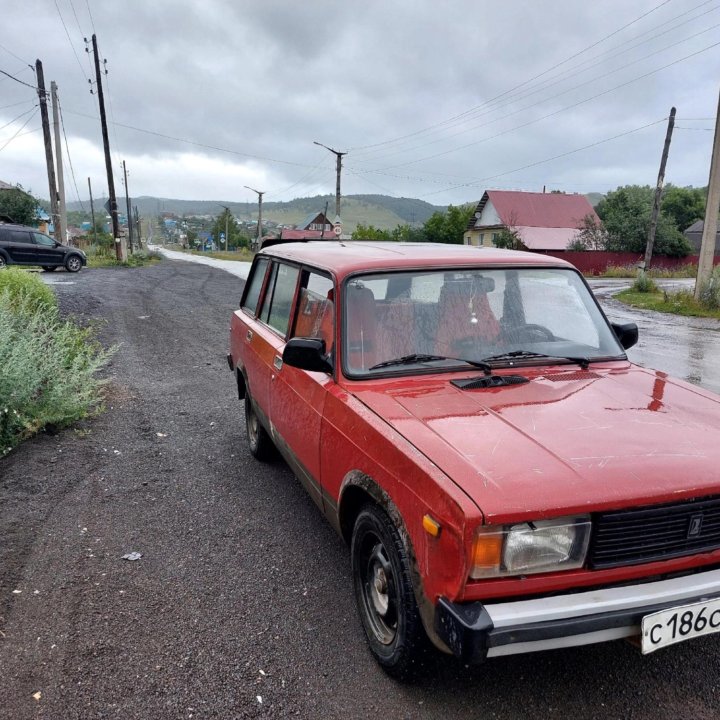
[{"x": 259, "y": 442}]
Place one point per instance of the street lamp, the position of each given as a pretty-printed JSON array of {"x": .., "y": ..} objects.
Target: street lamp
[{"x": 259, "y": 229}]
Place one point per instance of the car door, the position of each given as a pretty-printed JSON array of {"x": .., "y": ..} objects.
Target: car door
[
  {"x": 297, "y": 397},
  {"x": 21, "y": 247},
  {"x": 47, "y": 251}
]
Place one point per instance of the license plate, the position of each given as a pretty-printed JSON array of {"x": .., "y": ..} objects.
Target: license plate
[{"x": 668, "y": 627}]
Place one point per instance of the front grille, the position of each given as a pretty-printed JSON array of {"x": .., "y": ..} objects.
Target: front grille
[{"x": 660, "y": 532}]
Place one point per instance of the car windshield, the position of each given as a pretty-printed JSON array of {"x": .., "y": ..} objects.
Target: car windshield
[{"x": 407, "y": 322}]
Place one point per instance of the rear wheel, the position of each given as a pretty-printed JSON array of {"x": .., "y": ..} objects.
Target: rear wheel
[
  {"x": 73, "y": 263},
  {"x": 261, "y": 446},
  {"x": 3, "y": 261},
  {"x": 384, "y": 593}
]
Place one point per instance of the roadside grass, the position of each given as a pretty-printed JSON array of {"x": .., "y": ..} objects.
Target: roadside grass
[
  {"x": 48, "y": 365},
  {"x": 101, "y": 258},
  {"x": 681, "y": 302},
  {"x": 631, "y": 271}
]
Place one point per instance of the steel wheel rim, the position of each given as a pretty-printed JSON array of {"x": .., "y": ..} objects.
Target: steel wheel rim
[
  {"x": 252, "y": 425},
  {"x": 379, "y": 592}
]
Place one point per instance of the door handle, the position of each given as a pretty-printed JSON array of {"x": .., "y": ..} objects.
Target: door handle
[
  {"x": 249, "y": 335},
  {"x": 277, "y": 363}
]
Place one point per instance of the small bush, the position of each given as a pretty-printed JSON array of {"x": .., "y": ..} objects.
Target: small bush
[
  {"x": 710, "y": 292},
  {"x": 644, "y": 284},
  {"x": 21, "y": 286},
  {"x": 47, "y": 369}
]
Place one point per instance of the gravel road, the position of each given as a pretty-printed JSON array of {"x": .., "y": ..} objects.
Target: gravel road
[{"x": 241, "y": 604}]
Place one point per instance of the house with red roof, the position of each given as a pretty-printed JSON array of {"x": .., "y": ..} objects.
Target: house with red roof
[{"x": 541, "y": 221}]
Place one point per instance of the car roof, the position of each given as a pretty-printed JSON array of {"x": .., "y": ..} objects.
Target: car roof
[
  {"x": 15, "y": 226},
  {"x": 342, "y": 258}
]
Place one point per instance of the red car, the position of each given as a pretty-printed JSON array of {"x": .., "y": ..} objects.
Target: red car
[{"x": 469, "y": 422}]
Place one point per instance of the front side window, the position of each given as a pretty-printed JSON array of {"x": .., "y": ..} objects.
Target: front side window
[
  {"x": 41, "y": 239},
  {"x": 316, "y": 309},
  {"x": 277, "y": 304},
  {"x": 494, "y": 315}
]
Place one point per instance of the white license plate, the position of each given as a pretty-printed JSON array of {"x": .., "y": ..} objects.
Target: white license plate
[{"x": 668, "y": 627}]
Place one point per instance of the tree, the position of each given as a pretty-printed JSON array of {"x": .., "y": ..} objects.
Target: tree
[
  {"x": 684, "y": 205},
  {"x": 625, "y": 213},
  {"x": 448, "y": 227},
  {"x": 18, "y": 205},
  {"x": 370, "y": 232},
  {"x": 508, "y": 239},
  {"x": 236, "y": 237},
  {"x": 591, "y": 235}
]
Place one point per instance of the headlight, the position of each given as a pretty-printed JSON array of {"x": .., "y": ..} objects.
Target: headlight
[{"x": 531, "y": 547}]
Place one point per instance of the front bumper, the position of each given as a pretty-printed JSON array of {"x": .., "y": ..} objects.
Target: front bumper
[{"x": 475, "y": 631}]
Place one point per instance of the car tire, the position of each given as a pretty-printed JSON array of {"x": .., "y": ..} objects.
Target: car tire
[
  {"x": 73, "y": 263},
  {"x": 3, "y": 261},
  {"x": 259, "y": 442},
  {"x": 49, "y": 268},
  {"x": 384, "y": 594}
]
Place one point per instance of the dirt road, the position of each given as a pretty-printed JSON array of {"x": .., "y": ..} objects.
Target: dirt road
[{"x": 241, "y": 604}]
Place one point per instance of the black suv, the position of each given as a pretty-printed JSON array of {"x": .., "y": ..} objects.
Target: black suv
[{"x": 21, "y": 245}]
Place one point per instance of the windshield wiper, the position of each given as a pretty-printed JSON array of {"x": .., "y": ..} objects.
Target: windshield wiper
[
  {"x": 583, "y": 362},
  {"x": 421, "y": 358}
]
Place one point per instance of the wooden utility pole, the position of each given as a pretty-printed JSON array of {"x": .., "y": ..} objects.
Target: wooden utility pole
[
  {"x": 42, "y": 95},
  {"x": 108, "y": 161},
  {"x": 61, "y": 232},
  {"x": 338, "y": 170},
  {"x": 138, "y": 229},
  {"x": 92, "y": 212},
  {"x": 127, "y": 207},
  {"x": 707, "y": 249},
  {"x": 258, "y": 242},
  {"x": 227, "y": 218},
  {"x": 658, "y": 191}
]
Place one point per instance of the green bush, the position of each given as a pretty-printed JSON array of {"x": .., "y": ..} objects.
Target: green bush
[
  {"x": 47, "y": 368},
  {"x": 20, "y": 285},
  {"x": 710, "y": 292},
  {"x": 644, "y": 284}
]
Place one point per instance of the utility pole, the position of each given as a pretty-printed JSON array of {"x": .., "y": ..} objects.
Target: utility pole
[
  {"x": 42, "y": 95},
  {"x": 658, "y": 192},
  {"x": 338, "y": 169},
  {"x": 92, "y": 211},
  {"x": 707, "y": 249},
  {"x": 62, "y": 215},
  {"x": 108, "y": 161},
  {"x": 127, "y": 206},
  {"x": 259, "y": 231},
  {"x": 227, "y": 217},
  {"x": 138, "y": 228}
]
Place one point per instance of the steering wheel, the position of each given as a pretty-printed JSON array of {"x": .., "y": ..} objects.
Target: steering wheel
[{"x": 530, "y": 332}]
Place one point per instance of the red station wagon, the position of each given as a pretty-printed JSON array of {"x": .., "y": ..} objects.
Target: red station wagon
[{"x": 469, "y": 422}]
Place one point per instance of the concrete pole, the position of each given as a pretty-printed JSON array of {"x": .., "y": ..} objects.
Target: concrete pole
[
  {"x": 707, "y": 249},
  {"x": 42, "y": 96},
  {"x": 61, "y": 232}
]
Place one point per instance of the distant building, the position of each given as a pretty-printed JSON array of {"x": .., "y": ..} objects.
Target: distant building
[
  {"x": 694, "y": 237},
  {"x": 313, "y": 227},
  {"x": 542, "y": 221}
]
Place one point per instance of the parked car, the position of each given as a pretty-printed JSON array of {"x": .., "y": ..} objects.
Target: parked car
[
  {"x": 469, "y": 422},
  {"x": 21, "y": 245}
]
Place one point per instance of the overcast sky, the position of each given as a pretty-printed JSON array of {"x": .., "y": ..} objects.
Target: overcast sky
[{"x": 432, "y": 100}]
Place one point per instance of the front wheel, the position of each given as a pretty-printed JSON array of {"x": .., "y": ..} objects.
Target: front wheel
[
  {"x": 384, "y": 593},
  {"x": 73, "y": 264},
  {"x": 261, "y": 446}
]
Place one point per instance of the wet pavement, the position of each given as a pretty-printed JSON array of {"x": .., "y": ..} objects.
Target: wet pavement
[{"x": 684, "y": 347}]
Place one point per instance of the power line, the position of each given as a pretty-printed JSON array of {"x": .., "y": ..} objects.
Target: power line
[
  {"x": 12, "y": 77},
  {"x": 550, "y": 159},
  {"x": 555, "y": 112},
  {"x": 92, "y": 22},
  {"x": 591, "y": 81},
  {"x": 67, "y": 152},
  {"x": 19, "y": 129},
  {"x": 522, "y": 84},
  {"x": 22, "y": 102},
  {"x": 17, "y": 57},
  {"x": 72, "y": 46},
  {"x": 18, "y": 117}
]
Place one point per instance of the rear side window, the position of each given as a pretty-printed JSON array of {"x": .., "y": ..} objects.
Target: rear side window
[
  {"x": 277, "y": 305},
  {"x": 255, "y": 283},
  {"x": 19, "y": 236}
]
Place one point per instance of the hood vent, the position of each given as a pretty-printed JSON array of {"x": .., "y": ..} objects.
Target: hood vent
[
  {"x": 489, "y": 381},
  {"x": 572, "y": 377}
]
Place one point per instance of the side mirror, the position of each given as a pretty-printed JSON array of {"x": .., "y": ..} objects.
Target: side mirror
[
  {"x": 627, "y": 334},
  {"x": 307, "y": 354}
]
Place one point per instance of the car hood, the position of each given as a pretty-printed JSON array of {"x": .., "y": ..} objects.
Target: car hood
[{"x": 567, "y": 441}]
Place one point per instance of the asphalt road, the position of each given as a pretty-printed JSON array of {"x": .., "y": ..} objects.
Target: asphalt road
[{"x": 241, "y": 604}]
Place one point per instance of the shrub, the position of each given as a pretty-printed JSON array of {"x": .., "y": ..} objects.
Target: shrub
[
  {"x": 21, "y": 286},
  {"x": 710, "y": 292},
  {"x": 47, "y": 369},
  {"x": 644, "y": 284}
]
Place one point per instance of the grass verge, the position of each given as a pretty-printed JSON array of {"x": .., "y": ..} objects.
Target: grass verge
[
  {"x": 137, "y": 259},
  {"x": 680, "y": 303},
  {"x": 241, "y": 255},
  {"x": 631, "y": 271},
  {"x": 48, "y": 366}
]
